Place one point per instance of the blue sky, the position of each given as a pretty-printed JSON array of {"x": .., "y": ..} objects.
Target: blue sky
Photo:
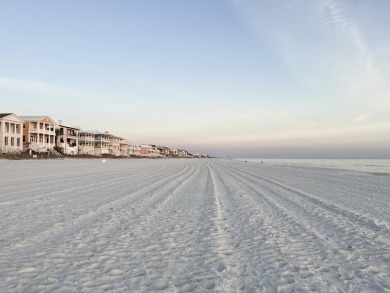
[{"x": 296, "y": 79}]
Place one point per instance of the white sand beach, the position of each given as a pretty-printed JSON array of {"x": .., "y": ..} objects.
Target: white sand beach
[{"x": 191, "y": 225}]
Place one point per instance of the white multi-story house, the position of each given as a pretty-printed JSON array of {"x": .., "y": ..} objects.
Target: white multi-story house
[
  {"x": 39, "y": 133},
  {"x": 11, "y": 134},
  {"x": 131, "y": 149},
  {"x": 184, "y": 153},
  {"x": 125, "y": 149},
  {"x": 149, "y": 150},
  {"x": 86, "y": 143},
  {"x": 102, "y": 142},
  {"x": 174, "y": 152},
  {"x": 114, "y": 145},
  {"x": 164, "y": 151},
  {"x": 134, "y": 150},
  {"x": 67, "y": 139}
]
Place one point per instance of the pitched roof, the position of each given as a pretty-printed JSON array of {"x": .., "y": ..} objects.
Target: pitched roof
[
  {"x": 9, "y": 115},
  {"x": 66, "y": 126},
  {"x": 95, "y": 132},
  {"x": 2, "y": 115},
  {"x": 37, "y": 118},
  {"x": 111, "y": 135},
  {"x": 33, "y": 117}
]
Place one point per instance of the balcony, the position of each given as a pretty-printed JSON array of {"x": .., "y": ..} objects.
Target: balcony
[
  {"x": 72, "y": 134},
  {"x": 42, "y": 131}
]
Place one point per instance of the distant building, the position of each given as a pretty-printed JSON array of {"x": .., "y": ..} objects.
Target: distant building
[
  {"x": 67, "y": 139},
  {"x": 101, "y": 143},
  {"x": 86, "y": 143},
  {"x": 134, "y": 150},
  {"x": 39, "y": 133},
  {"x": 183, "y": 153},
  {"x": 164, "y": 151},
  {"x": 124, "y": 148},
  {"x": 144, "y": 150},
  {"x": 11, "y": 134},
  {"x": 114, "y": 145},
  {"x": 149, "y": 150}
]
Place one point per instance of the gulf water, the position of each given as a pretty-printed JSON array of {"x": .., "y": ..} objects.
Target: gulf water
[{"x": 362, "y": 165}]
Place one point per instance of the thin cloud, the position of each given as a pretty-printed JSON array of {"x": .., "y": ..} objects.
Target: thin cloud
[
  {"x": 40, "y": 88},
  {"x": 335, "y": 17}
]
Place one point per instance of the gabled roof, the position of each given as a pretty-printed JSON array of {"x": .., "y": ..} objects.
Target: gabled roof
[
  {"x": 111, "y": 135},
  {"x": 2, "y": 115},
  {"x": 37, "y": 118},
  {"x": 71, "y": 127}
]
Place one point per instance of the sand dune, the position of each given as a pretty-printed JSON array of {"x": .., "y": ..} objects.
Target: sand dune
[{"x": 191, "y": 226}]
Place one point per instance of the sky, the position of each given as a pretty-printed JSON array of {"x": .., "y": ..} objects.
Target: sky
[{"x": 238, "y": 78}]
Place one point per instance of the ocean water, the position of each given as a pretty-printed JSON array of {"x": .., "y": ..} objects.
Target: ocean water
[{"x": 362, "y": 165}]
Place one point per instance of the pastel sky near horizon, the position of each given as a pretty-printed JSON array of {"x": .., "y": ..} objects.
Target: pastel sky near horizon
[{"x": 244, "y": 78}]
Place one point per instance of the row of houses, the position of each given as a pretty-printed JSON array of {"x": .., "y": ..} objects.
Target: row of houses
[{"x": 42, "y": 134}]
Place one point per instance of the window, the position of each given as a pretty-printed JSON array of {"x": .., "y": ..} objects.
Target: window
[
  {"x": 24, "y": 138},
  {"x": 12, "y": 141},
  {"x": 18, "y": 142},
  {"x": 6, "y": 127},
  {"x": 6, "y": 140}
]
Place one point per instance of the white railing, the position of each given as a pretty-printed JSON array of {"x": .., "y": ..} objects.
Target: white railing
[
  {"x": 41, "y": 148},
  {"x": 44, "y": 131}
]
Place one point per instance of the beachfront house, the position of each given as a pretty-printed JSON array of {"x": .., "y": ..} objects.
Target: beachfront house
[
  {"x": 129, "y": 149},
  {"x": 184, "y": 153},
  {"x": 39, "y": 133},
  {"x": 149, "y": 150},
  {"x": 164, "y": 151},
  {"x": 144, "y": 150},
  {"x": 11, "y": 134},
  {"x": 134, "y": 150},
  {"x": 124, "y": 149},
  {"x": 101, "y": 143},
  {"x": 114, "y": 145},
  {"x": 86, "y": 143},
  {"x": 67, "y": 139}
]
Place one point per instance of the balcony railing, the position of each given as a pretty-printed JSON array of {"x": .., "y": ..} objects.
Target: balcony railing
[
  {"x": 44, "y": 131},
  {"x": 72, "y": 135}
]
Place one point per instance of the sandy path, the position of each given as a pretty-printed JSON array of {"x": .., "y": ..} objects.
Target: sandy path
[{"x": 191, "y": 225}]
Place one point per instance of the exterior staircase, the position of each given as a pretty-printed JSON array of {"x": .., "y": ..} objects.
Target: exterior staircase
[{"x": 54, "y": 152}]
